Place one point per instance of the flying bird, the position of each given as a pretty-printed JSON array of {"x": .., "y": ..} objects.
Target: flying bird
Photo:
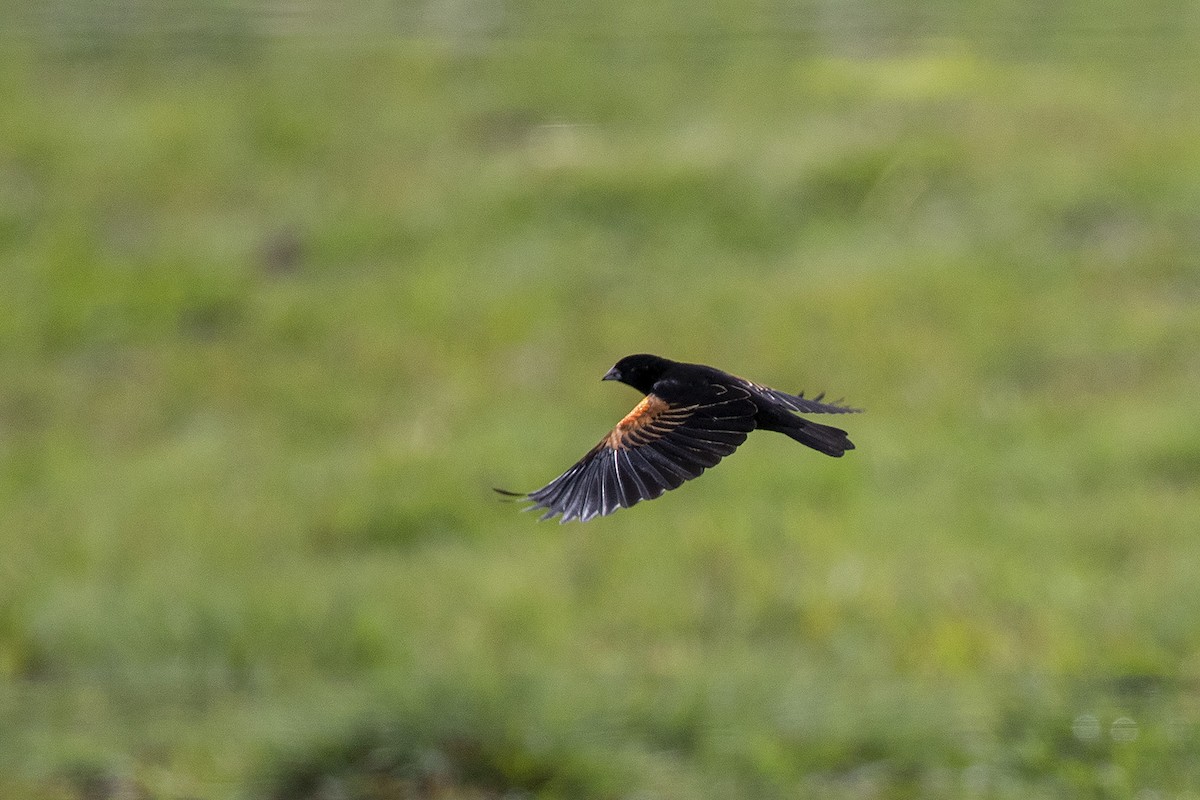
[{"x": 691, "y": 417}]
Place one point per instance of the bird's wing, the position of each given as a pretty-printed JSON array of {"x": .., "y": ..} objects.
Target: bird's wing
[
  {"x": 800, "y": 403},
  {"x": 656, "y": 447}
]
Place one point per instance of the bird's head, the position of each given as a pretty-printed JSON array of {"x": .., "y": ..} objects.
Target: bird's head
[{"x": 639, "y": 371}]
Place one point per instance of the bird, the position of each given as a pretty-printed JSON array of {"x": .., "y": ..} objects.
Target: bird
[{"x": 691, "y": 417}]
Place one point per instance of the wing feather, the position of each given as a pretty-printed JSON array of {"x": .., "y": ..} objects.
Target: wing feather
[
  {"x": 653, "y": 474},
  {"x": 655, "y": 448},
  {"x": 639, "y": 482},
  {"x": 673, "y": 473},
  {"x": 585, "y": 492},
  {"x": 800, "y": 403}
]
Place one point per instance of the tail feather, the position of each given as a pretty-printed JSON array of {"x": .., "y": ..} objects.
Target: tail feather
[{"x": 824, "y": 438}]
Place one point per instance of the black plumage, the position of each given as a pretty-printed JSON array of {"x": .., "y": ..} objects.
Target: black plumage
[{"x": 692, "y": 417}]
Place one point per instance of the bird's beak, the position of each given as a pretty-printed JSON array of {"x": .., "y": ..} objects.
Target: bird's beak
[{"x": 612, "y": 375}]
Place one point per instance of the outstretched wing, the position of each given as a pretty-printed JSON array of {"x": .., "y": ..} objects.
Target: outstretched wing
[
  {"x": 800, "y": 403},
  {"x": 656, "y": 447}
]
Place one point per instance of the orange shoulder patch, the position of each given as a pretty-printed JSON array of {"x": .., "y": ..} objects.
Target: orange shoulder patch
[
  {"x": 633, "y": 429},
  {"x": 644, "y": 412}
]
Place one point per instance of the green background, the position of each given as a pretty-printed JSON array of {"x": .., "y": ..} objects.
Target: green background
[{"x": 286, "y": 288}]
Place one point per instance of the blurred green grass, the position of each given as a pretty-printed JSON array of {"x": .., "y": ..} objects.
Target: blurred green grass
[{"x": 279, "y": 308}]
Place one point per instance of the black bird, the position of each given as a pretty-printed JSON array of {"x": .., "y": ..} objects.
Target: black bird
[{"x": 691, "y": 418}]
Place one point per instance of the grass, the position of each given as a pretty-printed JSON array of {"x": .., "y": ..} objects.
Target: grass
[{"x": 278, "y": 309}]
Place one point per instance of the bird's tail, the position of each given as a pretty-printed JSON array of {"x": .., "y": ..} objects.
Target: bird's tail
[{"x": 824, "y": 438}]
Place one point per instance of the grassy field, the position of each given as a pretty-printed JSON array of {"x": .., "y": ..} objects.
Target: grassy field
[{"x": 285, "y": 291}]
